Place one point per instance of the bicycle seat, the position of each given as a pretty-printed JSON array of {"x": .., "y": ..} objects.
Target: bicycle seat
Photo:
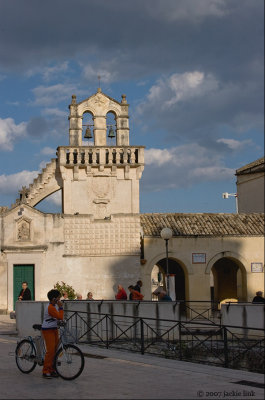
[{"x": 37, "y": 327}]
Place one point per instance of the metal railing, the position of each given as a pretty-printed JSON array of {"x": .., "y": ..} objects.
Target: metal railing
[
  {"x": 200, "y": 310},
  {"x": 226, "y": 346}
]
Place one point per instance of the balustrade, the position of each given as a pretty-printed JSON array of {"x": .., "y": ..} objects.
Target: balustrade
[{"x": 101, "y": 155}]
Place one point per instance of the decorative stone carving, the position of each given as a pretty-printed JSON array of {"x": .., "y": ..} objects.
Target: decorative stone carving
[
  {"x": 23, "y": 230},
  {"x": 101, "y": 186},
  {"x": 120, "y": 236},
  {"x": 100, "y": 100}
]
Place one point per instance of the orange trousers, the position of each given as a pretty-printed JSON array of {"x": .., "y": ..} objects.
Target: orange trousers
[{"x": 51, "y": 338}]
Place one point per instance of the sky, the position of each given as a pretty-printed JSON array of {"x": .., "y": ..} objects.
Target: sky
[{"x": 192, "y": 71}]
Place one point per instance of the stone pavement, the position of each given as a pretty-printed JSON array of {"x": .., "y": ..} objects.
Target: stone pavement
[{"x": 113, "y": 374}]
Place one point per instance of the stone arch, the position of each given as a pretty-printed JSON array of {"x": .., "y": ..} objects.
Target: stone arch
[
  {"x": 111, "y": 121},
  {"x": 234, "y": 284},
  {"x": 228, "y": 254},
  {"x": 173, "y": 257},
  {"x": 99, "y": 105},
  {"x": 49, "y": 191},
  {"x": 87, "y": 123}
]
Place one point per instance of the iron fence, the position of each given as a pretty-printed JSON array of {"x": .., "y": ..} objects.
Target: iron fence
[{"x": 208, "y": 343}]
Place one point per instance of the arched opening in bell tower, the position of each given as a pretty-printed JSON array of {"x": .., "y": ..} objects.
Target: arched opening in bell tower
[
  {"x": 87, "y": 129},
  {"x": 111, "y": 122}
]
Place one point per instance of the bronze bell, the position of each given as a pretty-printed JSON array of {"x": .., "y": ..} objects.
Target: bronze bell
[
  {"x": 111, "y": 133},
  {"x": 88, "y": 134}
]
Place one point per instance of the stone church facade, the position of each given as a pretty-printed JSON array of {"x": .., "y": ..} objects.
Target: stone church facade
[{"x": 101, "y": 240}]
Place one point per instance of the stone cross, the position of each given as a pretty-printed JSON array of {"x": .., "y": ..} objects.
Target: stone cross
[{"x": 23, "y": 194}]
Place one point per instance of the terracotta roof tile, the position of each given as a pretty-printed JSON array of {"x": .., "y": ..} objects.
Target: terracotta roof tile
[
  {"x": 204, "y": 224},
  {"x": 255, "y": 166}
]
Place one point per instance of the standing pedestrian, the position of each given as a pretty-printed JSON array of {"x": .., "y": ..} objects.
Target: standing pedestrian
[
  {"x": 52, "y": 313},
  {"x": 135, "y": 294},
  {"x": 25, "y": 293},
  {"x": 121, "y": 294}
]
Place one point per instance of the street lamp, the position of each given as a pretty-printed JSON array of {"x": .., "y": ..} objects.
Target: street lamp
[
  {"x": 227, "y": 195},
  {"x": 166, "y": 234}
]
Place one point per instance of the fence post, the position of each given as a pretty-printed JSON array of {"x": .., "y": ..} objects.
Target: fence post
[
  {"x": 225, "y": 347},
  {"x": 76, "y": 326},
  {"x": 107, "y": 332},
  {"x": 180, "y": 343},
  {"x": 142, "y": 335}
]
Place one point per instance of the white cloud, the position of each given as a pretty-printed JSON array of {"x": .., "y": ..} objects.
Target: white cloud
[
  {"x": 198, "y": 104},
  {"x": 188, "y": 10},
  {"x": 48, "y": 151},
  {"x": 50, "y": 95},
  {"x": 158, "y": 156},
  {"x": 182, "y": 166},
  {"x": 10, "y": 184},
  {"x": 51, "y": 72},
  {"x": 54, "y": 112},
  {"x": 9, "y": 132},
  {"x": 181, "y": 87},
  {"x": 55, "y": 198},
  {"x": 235, "y": 144},
  {"x": 107, "y": 75}
]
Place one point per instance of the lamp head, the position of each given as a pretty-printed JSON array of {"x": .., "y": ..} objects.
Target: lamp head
[{"x": 166, "y": 233}]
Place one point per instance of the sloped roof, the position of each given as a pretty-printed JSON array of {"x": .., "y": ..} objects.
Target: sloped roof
[
  {"x": 204, "y": 224},
  {"x": 104, "y": 95},
  {"x": 255, "y": 166}
]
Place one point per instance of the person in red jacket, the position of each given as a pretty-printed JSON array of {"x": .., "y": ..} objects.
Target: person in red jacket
[
  {"x": 135, "y": 294},
  {"x": 121, "y": 294}
]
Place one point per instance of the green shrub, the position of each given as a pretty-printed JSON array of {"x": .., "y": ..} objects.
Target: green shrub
[{"x": 63, "y": 287}]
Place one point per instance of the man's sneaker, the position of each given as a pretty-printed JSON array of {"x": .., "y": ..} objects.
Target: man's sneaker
[
  {"x": 54, "y": 374},
  {"x": 47, "y": 376}
]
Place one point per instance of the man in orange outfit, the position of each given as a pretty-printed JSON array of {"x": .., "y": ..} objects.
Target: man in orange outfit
[
  {"x": 135, "y": 294},
  {"x": 52, "y": 314}
]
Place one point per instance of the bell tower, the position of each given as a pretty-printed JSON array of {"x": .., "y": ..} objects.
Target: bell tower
[{"x": 100, "y": 179}]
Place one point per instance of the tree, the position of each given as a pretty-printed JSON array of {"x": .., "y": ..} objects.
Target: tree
[{"x": 63, "y": 287}]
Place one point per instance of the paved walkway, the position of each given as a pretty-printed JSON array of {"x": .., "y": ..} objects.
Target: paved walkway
[{"x": 113, "y": 374}]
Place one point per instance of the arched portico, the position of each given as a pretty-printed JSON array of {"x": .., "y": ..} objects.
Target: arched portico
[
  {"x": 229, "y": 276},
  {"x": 175, "y": 267}
]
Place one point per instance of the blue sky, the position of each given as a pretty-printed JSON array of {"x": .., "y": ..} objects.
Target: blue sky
[{"x": 193, "y": 73}]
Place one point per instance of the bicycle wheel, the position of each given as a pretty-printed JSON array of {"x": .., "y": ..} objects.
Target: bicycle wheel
[
  {"x": 69, "y": 362},
  {"x": 26, "y": 356}
]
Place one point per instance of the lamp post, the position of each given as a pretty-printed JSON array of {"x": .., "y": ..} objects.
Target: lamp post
[{"x": 166, "y": 234}]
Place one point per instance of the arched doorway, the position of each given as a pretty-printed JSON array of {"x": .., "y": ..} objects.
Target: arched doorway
[
  {"x": 158, "y": 276},
  {"x": 229, "y": 280}
]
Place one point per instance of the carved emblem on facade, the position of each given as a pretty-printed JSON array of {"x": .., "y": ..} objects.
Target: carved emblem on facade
[
  {"x": 23, "y": 230},
  {"x": 101, "y": 186},
  {"x": 100, "y": 100}
]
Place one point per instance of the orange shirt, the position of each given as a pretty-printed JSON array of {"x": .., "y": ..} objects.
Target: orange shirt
[{"x": 136, "y": 295}]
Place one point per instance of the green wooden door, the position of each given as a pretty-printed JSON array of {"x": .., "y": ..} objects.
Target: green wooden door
[{"x": 22, "y": 273}]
